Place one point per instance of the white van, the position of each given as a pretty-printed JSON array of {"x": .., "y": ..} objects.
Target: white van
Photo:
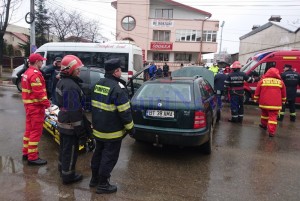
[{"x": 95, "y": 54}]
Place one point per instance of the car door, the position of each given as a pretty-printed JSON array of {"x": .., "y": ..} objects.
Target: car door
[{"x": 209, "y": 99}]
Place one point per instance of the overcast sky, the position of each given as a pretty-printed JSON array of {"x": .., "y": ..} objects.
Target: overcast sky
[{"x": 239, "y": 16}]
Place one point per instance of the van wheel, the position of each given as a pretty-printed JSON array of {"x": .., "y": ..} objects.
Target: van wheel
[
  {"x": 19, "y": 85},
  {"x": 247, "y": 96},
  {"x": 207, "y": 146}
]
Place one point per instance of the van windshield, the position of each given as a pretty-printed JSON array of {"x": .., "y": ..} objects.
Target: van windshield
[{"x": 248, "y": 66}]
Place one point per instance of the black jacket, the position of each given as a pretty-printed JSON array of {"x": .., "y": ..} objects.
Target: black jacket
[
  {"x": 235, "y": 82},
  {"x": 111, "y": 112},
  {"x": 291, "y": 80},
  {"x": 219, "y": 80},
  {"x": 69, "y": 97}
]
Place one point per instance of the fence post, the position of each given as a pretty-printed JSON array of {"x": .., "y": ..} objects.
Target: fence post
[{"x": 11, "y": 64}]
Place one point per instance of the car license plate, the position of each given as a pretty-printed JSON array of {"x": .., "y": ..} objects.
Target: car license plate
[{"x": 160, "y": 113}]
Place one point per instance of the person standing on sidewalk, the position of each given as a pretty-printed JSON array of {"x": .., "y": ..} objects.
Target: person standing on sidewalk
[
  {"x": 35, "y": 102},
  {"x": 270, "y": 93},
  {"x": 291, "y": 80},
  {"x": 112, "y": 120}
]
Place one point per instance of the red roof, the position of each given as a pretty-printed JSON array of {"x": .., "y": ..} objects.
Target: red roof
[
  {"x": 21, "y": 36},
  {"x": 114, "y": 4}
]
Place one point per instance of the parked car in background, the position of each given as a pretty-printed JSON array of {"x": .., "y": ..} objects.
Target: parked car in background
[{"x": 177, "y": 111}]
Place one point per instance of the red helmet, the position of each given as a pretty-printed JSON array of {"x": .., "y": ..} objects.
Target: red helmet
[
  {"x": 236, "y": 65},
  {"x": 69, "y": 63}
]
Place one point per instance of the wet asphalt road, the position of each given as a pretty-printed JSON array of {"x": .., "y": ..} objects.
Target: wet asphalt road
[{"x": 245, "y": 164}]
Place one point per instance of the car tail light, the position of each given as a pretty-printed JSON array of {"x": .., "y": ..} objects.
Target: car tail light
[
  {"x": 130, "y": 73},
  {"x": 200, "y": 120}
]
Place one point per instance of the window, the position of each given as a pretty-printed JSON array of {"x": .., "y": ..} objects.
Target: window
[
  {"x": 209, "y": 36},
  {"x": 188, "y": 35},
  {"x": 159, "y": 56},
  {"x": 164, "y": 13},
  {"x": 183, "y": 57},
  {"x": 128, "y": 23},
  {"x": 137, "y": 62},
  {"x": 159, "y": 35},
  {"x": 166, "y": 92},
  {"x": 52, "y": 55}
]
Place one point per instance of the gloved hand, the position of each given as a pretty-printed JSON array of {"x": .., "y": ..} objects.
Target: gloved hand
[{"x": 131, "y": 132}]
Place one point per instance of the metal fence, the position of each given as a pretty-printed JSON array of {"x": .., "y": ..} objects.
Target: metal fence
[{"x": 10, "y": 63}]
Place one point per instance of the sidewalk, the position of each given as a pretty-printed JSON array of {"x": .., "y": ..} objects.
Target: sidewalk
[{"x": 5, "y": 78}]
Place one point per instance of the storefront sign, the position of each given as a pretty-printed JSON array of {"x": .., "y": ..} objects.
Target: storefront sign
[
  {"x": 161, "y": 46},
  {"x": 162, "y": 23}
]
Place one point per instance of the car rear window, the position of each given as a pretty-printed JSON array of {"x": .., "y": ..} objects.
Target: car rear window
[{"x": 174, "y": 92}]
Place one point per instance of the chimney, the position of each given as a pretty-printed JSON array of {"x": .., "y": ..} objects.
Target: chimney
[
  {"x": 255, "y": 27},
  {"x": 275, "y": 18}
]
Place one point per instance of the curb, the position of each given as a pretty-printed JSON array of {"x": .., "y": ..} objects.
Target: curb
[{"x": 6, "y": 82}]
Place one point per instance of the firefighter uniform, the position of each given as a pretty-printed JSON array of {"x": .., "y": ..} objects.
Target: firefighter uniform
[
  {"x": 111, "y": 119},
  {"x": 70, "y": 118},
  {"x": 270, "y": 94},
  {"x": 234, "y": 84},
  {"x": 291, "y": 80},
  {"x": 35, "y": 102}
]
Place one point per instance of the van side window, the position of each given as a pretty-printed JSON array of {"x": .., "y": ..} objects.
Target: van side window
[
  {"x": 263, "y": 68},
  {"x": 52, "y": 55}
]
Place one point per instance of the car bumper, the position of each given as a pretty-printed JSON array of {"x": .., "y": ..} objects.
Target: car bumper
[{"x": 180, "y": 137}]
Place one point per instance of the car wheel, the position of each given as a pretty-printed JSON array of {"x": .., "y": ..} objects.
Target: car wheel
[
  {"x": 218, "y": 115},
  {"x": 207, "y": 146},
  {"x": 246, "y": 97},
  {"x": 19, "y": 85}
]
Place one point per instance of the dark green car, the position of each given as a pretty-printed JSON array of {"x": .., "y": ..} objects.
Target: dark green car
[{"x": 178, "y": 111}]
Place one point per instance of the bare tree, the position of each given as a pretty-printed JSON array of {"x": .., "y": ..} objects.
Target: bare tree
[
  {"x": 7, "y": 8},
  {"x": 93, "y": 31},
  {"x": 60, "y": 23},
  {"x": 65, "y": 24}
]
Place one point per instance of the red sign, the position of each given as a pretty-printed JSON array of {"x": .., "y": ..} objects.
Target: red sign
[
  {"x": 161, "y": 46},
  {"x": 143, "y": 53}
]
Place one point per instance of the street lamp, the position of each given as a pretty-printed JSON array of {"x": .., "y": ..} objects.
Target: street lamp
[{"x": 222, "y": 25}]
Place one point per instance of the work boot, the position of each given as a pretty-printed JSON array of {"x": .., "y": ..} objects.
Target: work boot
[
  {"x": 263, "y": 127},
  {"x": 293, "y": 118},
  {"x": 280, "y": 118},
  {"x": 240, "y": 120},
  {"x": 271, "y": 134},
  {"x": 95, "y": 179},
  {"x": 104, "y": 187},
  {"x": 233, "y": 120},
  {"x": 24, "y": 157},
  {"x": 38, "y": 161},
  {"x": 72, "y": 179}
]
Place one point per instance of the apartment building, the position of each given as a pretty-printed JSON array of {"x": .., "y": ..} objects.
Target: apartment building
[{"x": 166, "y": 30}]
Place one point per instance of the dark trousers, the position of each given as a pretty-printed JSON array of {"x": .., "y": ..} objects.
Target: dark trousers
[
  {"x": 105, "y": 157},
  {"x": 68, "y": 153},
  {"x": 166, "y": 73},
  {"x": 292, "y": 108},
  {"x": 236, "y": 106}
]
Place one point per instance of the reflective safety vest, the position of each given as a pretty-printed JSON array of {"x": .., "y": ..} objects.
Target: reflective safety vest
[
  {"x": 271, "y": 91},
  {"x": 111, "y": 112},
  {"x": 34, "y": 88}
]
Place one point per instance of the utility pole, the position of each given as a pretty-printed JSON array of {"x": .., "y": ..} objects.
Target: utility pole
[
  {"x": 222, "y": 25},
  {"x": 32, "y": 28}
]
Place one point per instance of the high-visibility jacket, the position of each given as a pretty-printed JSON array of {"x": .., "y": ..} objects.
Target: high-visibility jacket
[
  {"x": 270, "y": 92},
  {"x": 214, "y": 69},
  {"x": 111, "y": 112},
  {"x": 34, "y": 88}
]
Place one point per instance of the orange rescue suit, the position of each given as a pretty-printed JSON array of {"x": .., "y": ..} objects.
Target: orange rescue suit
[{"x": 35, "y": 102}]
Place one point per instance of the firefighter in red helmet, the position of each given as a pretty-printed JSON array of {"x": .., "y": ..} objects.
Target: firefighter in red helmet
[
  {"x": 70, "y": 117},
  {"x": 35, "y": 102},
  {"x": 235, "y": 85}
]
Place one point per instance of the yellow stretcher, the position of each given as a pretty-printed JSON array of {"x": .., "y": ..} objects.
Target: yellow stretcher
[{"x": 50, "y": 125}]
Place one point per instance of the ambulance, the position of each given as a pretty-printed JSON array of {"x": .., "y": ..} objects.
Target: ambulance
[{"x": 258, "y": 65}]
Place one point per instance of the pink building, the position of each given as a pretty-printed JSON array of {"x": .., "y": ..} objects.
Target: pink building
[{"x": 166, "y": 30}]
